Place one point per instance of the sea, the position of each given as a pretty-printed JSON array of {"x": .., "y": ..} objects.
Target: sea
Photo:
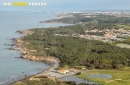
[{"x": 13, "y": 68}]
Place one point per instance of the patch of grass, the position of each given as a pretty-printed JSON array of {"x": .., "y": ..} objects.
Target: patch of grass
[
  {"x": 127, "y": 27},
  {"x": 125, "y": 69},
  {"x": 119, "y": 77},
  {"x": 41, "y": 77},
  {"x": 43, "y": 81},
  {"x": 79, "y": 67}
]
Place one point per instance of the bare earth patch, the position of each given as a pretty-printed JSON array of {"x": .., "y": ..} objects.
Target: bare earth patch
[
  {"x": 109, "y": 81},
  {"x": 118, "y": 79},
  {"x": 123, "y": 45}
]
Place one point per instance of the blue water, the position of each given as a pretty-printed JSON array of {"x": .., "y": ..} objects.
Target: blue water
[
  {"x": 76, "y": 79},
  {"x": 11, "y": 68}
]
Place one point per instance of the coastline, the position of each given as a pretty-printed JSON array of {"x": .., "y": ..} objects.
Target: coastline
[{"x": 53, "y": 62}]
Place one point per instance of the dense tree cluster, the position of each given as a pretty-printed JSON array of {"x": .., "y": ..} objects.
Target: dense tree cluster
[{"x": 73, "y": 50}]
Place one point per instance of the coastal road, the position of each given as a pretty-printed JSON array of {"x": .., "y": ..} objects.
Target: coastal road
[{"x": 55, "y": 64}]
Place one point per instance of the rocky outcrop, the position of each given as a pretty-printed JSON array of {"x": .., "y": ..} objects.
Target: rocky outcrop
[
  {"x": 26, "y": 55},
  {"x": 24, "y": 32}
]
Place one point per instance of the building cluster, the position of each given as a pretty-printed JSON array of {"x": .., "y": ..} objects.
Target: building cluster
[
  {"x": 94, "y": 14},
  {"x": 64, "y": 15},
  {"x": 109, "y": 35},
  {"x": 117, "y": 14}
]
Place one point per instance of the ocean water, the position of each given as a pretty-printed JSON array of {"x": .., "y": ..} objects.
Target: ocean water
[{"x": 12, "y": 68}]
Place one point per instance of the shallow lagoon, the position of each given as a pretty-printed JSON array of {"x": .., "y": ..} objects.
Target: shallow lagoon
[{"x": 76, "y": 79}]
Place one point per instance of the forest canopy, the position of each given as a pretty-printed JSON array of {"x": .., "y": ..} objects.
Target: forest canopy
[{"x": 73, "y": 50}]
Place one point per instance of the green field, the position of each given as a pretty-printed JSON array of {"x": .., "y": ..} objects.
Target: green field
[
  {"x": 119, "y": 77},
  {"x": 127, "y": 27}
]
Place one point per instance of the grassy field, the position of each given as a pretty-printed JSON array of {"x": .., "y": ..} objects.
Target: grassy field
[
  {"x": 119, "y": 77},
  {"x": 127, "y": 27}
]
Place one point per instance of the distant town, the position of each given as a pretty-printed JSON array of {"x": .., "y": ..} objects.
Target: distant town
[
  {"x": 117, "y": 32},
  {"x": 94, "y": 14}
]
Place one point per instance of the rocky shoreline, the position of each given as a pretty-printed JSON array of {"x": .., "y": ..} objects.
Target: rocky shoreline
[
  {"x": 25, "y": 54},
  {"x": 24, "y": 51},
  {"x": 52, "y": 61}
]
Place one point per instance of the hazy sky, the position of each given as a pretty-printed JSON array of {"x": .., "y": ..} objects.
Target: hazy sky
[{"x": 82, "y": 4}]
